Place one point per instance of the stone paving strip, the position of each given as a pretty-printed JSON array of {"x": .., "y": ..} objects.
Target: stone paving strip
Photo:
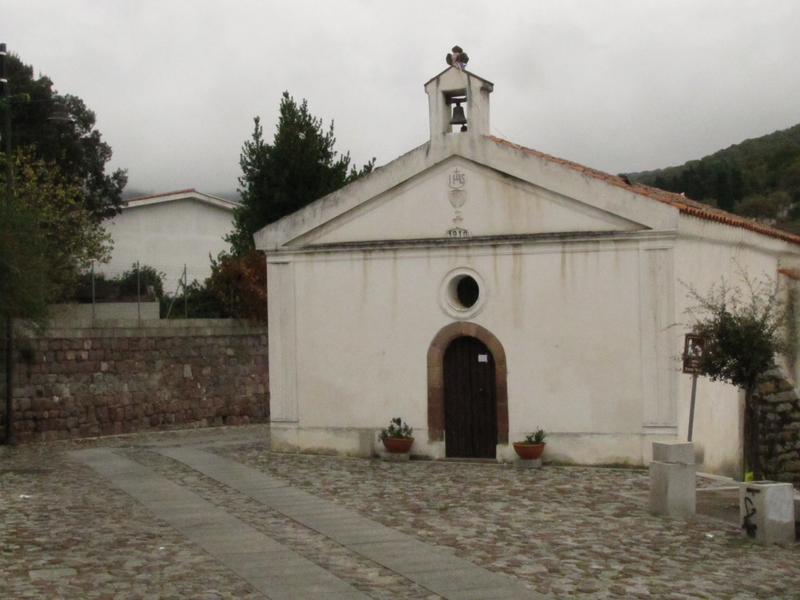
[
  {"x": 269, "y": 566},
  {"x": 371, "y": 578},
  {"x": 431, "y": 567}
]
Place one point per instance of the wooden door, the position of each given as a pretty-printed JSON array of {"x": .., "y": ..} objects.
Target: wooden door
[{"x": 470, "y": 400}]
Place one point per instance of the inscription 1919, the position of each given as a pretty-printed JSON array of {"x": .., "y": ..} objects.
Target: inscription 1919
[{"x": 458, "y": 232}]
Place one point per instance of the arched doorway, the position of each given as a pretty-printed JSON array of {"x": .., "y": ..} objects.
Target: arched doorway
[
  {"x": 436, "y": 353},
  {"x": 470, "y": 399}
]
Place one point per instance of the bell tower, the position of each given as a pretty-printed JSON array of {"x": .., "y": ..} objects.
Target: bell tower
[{"x": 458, "y": 104}]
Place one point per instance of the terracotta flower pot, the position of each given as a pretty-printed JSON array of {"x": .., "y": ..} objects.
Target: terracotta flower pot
[
  {"x": 398, "y": 445},
  {"x": 528, "y": 451}
]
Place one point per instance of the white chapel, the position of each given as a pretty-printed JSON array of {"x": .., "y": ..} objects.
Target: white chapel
[{"x": 480, "y": 290}]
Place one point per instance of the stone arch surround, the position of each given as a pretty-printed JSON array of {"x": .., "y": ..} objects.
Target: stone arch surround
[{"x": 436, "y": 377}]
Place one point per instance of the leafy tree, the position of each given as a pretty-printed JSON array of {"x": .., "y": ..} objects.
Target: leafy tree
[
  {"x": 196, "y": 301},
  {"x": 46, "y": 238},
  {"x": 140, "y": 280},
  {"x": 236, "y": 289},
  {"x": 75, "y": 147},
  {"x": 767, "y": 208},
  {"x": 240, "y": 285},
  {"x": 743, "y": 178},
  {"x": 22, "y": 255},
  {"x": 743, "y": 334},
  {"x": 299, "y": 167}
]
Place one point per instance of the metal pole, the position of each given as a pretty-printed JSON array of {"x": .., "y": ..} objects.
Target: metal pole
[
  {"x": 691, "y": 407},
  {"x": 93, "y": 291},
  {"x": 9, "y": 435},
  {"x": 138, "y": 294},
  {"x": 9, "y": 432},
  {"x": 185, "y": 294},
  {"x": 7, "y": 132}
]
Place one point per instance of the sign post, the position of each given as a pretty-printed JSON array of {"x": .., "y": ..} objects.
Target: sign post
[{"x": 693, "y": 348}]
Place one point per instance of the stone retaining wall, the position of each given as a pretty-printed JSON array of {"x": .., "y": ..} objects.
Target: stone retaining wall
[
  {"x": 779, "y": 428},
  {"x": 120, "y": 377}
]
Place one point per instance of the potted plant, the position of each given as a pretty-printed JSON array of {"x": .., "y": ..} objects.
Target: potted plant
[
  {"x": 531, "y": 448},
  {"x": 397, "y": 437}
]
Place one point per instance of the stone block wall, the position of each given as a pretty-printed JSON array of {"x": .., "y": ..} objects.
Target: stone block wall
[
  {"x": 779, "y": 427},
  {"x": 121, "y": 377}
]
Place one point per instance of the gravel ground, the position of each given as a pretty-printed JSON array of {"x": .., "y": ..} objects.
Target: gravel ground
[
  {"x": 66, "y": 533},
  {"x": 573, "y": 532}
]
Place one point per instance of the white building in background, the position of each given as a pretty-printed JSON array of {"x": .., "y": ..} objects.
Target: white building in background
[
  {"x": 169, "y": 232},
  {"x": 479, "y": 290}
]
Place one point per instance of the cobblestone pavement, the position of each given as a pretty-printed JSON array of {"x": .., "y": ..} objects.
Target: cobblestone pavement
[{"x": 572, "y": 532}]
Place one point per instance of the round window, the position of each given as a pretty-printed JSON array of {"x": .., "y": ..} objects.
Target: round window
[
  {"x": 463, "y": 293},
  {"x": 467, "y": 291}
]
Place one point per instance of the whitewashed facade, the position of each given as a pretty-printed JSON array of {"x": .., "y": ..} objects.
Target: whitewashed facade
[
  {"x": 578, "y": 304},
  {"x": 169, "y": 231}
]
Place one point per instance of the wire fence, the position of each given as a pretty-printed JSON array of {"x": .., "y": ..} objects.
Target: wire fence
[
  {"x": 174, "y": 275},
  {"x": 236, "y": 290},
  {"x": 177, "y": 295}
]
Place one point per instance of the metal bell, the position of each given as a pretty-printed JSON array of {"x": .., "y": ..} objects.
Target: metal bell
[{"x": 459, "y": 118}]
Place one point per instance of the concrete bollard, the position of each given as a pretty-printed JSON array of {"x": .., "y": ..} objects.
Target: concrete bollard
[
  {"x": 766, "y": 509},
  {"x": 672, "y": 484}
]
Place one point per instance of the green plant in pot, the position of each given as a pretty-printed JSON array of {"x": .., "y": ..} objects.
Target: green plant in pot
[
  {"x": 532, "y": 446},
  {"x": 397, "y": 437}
]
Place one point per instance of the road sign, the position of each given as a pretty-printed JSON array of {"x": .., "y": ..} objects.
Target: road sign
[{"x": 693, "y": 348}]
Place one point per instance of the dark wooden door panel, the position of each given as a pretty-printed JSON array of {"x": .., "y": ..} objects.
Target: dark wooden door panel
[{"x": 470, "y": 404}]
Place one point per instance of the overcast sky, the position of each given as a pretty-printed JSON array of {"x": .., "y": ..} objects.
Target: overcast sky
[{"x": 618, "y": 85}]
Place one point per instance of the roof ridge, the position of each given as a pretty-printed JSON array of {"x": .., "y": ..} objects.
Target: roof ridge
[
  {"x": 186, "y": 191},
  {"x": 679, "y": 201},
  {"x": 470, "y": 73}
]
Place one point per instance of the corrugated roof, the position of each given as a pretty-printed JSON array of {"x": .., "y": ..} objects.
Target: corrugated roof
[{"x": 685, "y": 205}]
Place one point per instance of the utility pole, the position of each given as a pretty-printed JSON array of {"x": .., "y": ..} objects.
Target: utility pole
[
  {"x": 8, "y": 438},
  {"x": 7, "y": 128}
]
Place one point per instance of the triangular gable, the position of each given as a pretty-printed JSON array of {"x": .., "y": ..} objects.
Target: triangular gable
[
  {"x": 456, "y": 74},
  {"x": 190, "y": 195},
  {"x": 459, "y": 198},
  {"x": 399, "y": 200}
]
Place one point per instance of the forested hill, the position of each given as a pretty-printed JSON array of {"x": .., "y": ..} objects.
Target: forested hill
[{"x": 758, "y": 178}]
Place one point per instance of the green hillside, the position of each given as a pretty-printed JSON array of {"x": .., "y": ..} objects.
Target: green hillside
[{"x": 758, "y": 178}]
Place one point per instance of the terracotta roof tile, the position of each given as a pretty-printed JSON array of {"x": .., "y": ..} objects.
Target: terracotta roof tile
[
  {"x": 790, "y": 273},
  {"x": 685, "y": 205}
]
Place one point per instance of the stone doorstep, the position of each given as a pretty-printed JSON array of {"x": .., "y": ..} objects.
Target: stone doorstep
[
  {"x": 474, "y": 461},
  {"x": 520, "y": 463},
  {"x": 394, "y": 456}
]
